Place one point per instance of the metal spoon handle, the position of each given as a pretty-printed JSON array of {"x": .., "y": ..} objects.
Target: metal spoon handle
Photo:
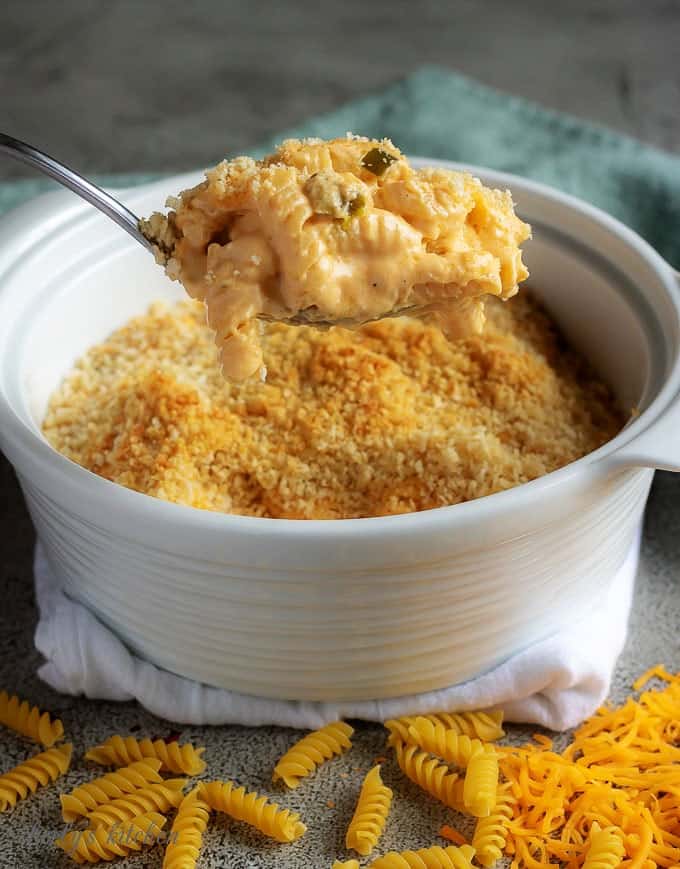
[{"x": 86, "y": 189}]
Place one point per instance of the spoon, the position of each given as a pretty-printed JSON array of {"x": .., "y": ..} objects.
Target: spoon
[
  {"x": 102, "y": 200},
  {"x": 128, "y": 221}
]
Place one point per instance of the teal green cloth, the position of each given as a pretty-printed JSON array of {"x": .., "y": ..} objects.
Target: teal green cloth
[{"x": 438, "y": 113}]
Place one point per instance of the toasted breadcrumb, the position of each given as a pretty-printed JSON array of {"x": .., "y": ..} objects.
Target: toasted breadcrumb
[{"x": 388, "y": 419}]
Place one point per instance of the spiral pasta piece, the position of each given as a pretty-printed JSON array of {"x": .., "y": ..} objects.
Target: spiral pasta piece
[
  {"x": 242, "y": 805},
  {"x": 29, "y": 721},
  {"x": 398, "y": 728},
  {"x": 481, "y": 784},
  {"x": 450, "y": 746},
  {"x": 370, "y": 815},
  {"x": 33, "y": 773},
  {"x": 123, "y": 750},
  {"x": 453, "y": 857},
  {"x": 111, "y": 786},
  {"x": 431, "y": 776},
  {"x": 103, "y": 844},
  {"x": 186, "y": 834},
  {"x": 312, "y": 750},
  {"x": 491, "y": 833},
  {"x": 605, "y": 848},
  {"x": 486, "y": 726},
  {"x": 159, "y": 797}
]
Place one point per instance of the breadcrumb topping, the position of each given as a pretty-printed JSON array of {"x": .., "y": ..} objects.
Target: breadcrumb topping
[{"x": 387, "y": 419}]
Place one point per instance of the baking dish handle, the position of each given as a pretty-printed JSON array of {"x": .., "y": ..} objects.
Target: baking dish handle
[{"x": 658, "y": 446}]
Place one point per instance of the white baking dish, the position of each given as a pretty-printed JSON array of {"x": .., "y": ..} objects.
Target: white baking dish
[{"x": 337, "y": 610}]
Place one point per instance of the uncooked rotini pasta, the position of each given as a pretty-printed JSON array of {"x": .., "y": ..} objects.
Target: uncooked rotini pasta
[
  {"x": 159, "y": 797},
  {"x": 103, "y": 844},
  {"x": 33, "y": 773},
  {"x": 398, "y": 728},
  {"x": 605, "y": 848},
  {"x": 312, "y": 750},
  {"x": 491, "y": 833},
  {"x": 486, "y": 726},
  {"x": 429, "y": 774},
  {"x": 242, "y": 805},
  {"x": 29, "y": 721},
  {"x": 111, "y": 786},
  {"x": 481, "y": 784},
  {"x": 122, "y": 750},
  {"x": 436, "y": 857},
  {"x": 370, "y": 815},
  {"x": 186, "y": 835},
  {"x": 452, "y": 747}
]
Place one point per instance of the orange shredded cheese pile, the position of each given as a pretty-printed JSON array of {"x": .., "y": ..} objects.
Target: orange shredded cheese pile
[{"x": 615, "y": 790}]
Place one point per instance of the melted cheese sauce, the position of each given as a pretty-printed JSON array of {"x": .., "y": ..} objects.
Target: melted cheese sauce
[{"x": 344, "y": 230}]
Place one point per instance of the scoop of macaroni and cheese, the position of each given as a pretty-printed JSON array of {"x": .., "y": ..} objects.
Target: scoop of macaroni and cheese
[{"x": 342, "y": 231}]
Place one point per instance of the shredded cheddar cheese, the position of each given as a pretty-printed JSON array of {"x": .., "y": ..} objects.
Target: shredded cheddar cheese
[
  {"x": 619, "y": 775},
  {"x": 447, "y": 832},
  {"x": 610, "y": 798}
]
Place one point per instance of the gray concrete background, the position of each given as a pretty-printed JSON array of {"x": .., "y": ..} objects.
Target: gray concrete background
[
  {"x": 128, "y": 86},
  {"x": 149, "y": 85}
]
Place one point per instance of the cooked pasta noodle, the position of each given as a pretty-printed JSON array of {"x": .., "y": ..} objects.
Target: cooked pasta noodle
[
  {"x": 491, "y": 833},
  {"x": 159, "y": 797},
  {"x": 37, "y": 771},
  {"x": 436, "y": 857},
  {"x": 370, "y": 815},
  {"x": 102, "y": 843},
  {"x": 122, "y": 750},
  {"x": 312, "y": 750},
  {"x": 125, "y": 780},
  {"x": 481, "y": 784},
  {"x": 186, "y": 834},
  {"x": 29, "y": 721},
  {"x": 452, "y": 747},
  {"x": 605, "y": 848},
  {"x": 242, "y": 805},
  {"x": 429, "y": 774}
]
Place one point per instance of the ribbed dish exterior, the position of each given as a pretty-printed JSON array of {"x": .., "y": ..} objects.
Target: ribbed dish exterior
[{"x": 375, "y": 621}]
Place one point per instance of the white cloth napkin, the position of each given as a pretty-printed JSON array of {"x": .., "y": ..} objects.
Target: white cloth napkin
[{"x": 556, "y": 682}]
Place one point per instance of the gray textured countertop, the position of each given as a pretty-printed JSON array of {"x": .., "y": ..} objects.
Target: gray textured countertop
[{"x": 124, "y": 87}]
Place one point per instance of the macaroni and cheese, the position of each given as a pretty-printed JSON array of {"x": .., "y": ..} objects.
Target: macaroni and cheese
[{"x": 341, "y": 231}]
